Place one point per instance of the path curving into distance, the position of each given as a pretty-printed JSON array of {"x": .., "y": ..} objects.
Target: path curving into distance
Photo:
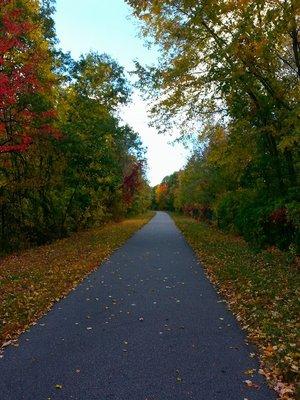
[{"x": 147, "y": 325}]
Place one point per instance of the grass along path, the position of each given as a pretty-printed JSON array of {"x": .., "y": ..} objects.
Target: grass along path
[
  {"x": 32, "y": 281},
  {"x": 261, "y": 289}
]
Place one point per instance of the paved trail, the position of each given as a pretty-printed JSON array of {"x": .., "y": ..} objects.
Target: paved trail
[{"x": 146, "y": 325}]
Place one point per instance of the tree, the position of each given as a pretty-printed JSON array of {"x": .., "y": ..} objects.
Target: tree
[
  {"x": 50, "y": 187},
  {"x": 165, "y": 192},
  {"x": 230, "y": 59},
  {"x": 25, "y": 78},
  {"x": 99, "y": 151},
  {"x": 229, "y": 74}
]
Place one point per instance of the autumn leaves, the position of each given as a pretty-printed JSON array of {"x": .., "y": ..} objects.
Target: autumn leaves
[
  {"x": 66, "y": 160},
  {"x": 228, "y": 77}
]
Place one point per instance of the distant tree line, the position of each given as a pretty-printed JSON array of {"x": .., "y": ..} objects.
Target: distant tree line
[{"x": 66, "y": 160}]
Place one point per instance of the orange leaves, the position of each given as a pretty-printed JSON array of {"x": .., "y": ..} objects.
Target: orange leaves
[
  {"x": 34, "y": 280},
  {"x": 269, "y": 350},
  {"x": 261, "y": 290},
  {"x": 162, "y": 188},
  {"x": 285, "y": 392},
  {"x": 161, "y": 193}
]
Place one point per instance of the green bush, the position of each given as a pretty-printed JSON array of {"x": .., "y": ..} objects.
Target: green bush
[
  {"x": 260, "y": 221},
  {"x": 293, "y": 214}
]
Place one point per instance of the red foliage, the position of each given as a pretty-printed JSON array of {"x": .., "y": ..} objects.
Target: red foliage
[
  {"x": 198, "y": 211},
  {"x": 19, "y": 148},
  {"x": 19, "y": 81},
  {"x": 131, "y": 183},
  {"x": 279, "y": 216}
]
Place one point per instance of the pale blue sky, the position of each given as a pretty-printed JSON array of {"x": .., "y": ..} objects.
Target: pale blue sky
[{"x": 107, "y": 27}]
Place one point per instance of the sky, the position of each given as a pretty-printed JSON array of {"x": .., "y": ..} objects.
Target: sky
[{"x": 107, "y": 26}]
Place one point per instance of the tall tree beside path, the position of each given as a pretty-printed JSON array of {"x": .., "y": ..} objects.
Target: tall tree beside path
[
  {"x": 26, "y": 77},
  {"x": 64, "y": 152},
  {"x": 229, "y": 75}
]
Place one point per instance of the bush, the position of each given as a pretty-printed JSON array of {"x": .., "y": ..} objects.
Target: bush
[
  {"x": 260, "y": 221},
  {"x": 293, "y": 215},
  {"x": 198, "y": 211}
]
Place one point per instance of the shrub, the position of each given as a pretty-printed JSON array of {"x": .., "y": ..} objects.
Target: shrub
[
  {"x": 293, "y": 216},
  {"x": 260, "y": 221}
]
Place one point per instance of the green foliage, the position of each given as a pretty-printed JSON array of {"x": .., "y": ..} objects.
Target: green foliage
[
  {"x": 141, "y": 201},
  {"x": 74, "y": 178},
  {"x": 293, "y": 216},
  {"x": 242, "y": 213},
  {"x": 229, "y": 75},
  {"x": 163, "y": 197},
  {"x": 261, "y": 288}
]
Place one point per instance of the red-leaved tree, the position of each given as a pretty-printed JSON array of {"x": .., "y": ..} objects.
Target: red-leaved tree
[
  {"x": 132, "y": 182},
  {"x": 25, "y": 78}
]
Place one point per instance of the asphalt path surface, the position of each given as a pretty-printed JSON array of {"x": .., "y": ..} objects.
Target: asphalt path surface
[{"x": 147, "y": 325}]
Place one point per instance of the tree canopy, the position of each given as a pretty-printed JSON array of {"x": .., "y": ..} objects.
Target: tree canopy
[
  {"x": 66, "y": 160},
  {"x": 229, "y": 75}
]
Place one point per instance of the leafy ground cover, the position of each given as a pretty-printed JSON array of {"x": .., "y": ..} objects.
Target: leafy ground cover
[
  {"x": 32, "y": 281},
  {"x": 262, "y": 289}
]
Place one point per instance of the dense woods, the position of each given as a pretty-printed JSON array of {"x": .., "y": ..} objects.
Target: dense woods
[
  {"x": 66, "y": 160},
  {"x": 228, "y": 77}
]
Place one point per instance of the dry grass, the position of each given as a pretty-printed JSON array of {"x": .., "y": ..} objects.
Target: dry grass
[
  {"x": 32, "y": 281},
  {"x": 262, "y": 290}
]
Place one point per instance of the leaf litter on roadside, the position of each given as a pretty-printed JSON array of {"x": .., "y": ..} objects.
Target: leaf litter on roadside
[{"x": 262, "y": 290}]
